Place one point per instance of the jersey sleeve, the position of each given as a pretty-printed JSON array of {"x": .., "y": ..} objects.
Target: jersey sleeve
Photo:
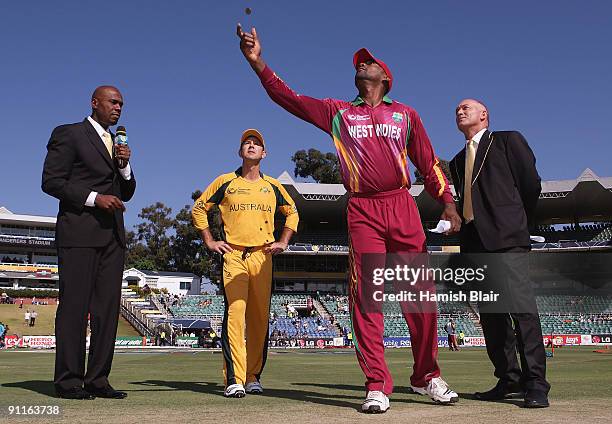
[
  {"x": 421, "y": 153},
  {"x": 286, "y": 206},
  {"x": 212, "y": 196},
  {"x": 315, "y": 111}
]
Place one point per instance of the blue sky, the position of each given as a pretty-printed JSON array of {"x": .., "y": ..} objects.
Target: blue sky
[{"x": 543, "y": 68}]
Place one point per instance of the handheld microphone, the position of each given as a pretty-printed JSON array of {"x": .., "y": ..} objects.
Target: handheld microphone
[{"x": 121, "y": 139}]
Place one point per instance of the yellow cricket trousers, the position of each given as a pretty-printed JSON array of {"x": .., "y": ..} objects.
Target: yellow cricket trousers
[{"x": 247, "y": 280}]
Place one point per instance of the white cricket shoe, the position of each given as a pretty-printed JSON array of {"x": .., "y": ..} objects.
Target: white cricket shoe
[
  {"x": 234, "y": 391},
  {"x": 438, "y": 391},
  {"x": 418, "y": 390},
  {"x": 254, "y": 388},
  {"x": 376, "y": 403}
]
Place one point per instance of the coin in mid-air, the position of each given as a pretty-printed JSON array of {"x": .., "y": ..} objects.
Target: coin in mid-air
[{"x": 248, "y": 11}]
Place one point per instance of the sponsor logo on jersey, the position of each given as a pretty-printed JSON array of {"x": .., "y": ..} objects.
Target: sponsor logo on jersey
[
  {"x": 358, "y": 117},
  {"x": 231, "y": 190},
  {"x": 264, "y": 190},
  {"x": 398, "y": 117}
]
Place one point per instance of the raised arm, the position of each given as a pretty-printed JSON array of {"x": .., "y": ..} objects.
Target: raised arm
[{"x": 315, "y": 111}]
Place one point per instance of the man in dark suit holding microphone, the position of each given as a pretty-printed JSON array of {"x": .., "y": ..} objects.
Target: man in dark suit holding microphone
[
  {"x": 91, "y": 178},
  {"x": 498, "y": 186}
]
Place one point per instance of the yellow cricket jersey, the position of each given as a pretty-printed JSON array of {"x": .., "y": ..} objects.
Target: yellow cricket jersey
[{"x": 247, "y": 208}]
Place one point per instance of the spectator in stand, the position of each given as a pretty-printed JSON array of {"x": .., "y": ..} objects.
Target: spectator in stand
[
  {"x": 202, "y": 340},
  {"x": 216, "y": 340}
]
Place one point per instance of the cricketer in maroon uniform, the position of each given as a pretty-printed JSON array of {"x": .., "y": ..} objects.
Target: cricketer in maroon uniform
[{"x": 374, "y": 136}]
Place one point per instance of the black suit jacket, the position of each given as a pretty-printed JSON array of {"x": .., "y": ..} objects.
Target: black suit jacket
[
  {"x": 505, "y": 189},
  {"x": 78, "y": 163}
]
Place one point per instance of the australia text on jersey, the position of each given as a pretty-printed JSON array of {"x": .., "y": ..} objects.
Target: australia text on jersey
[{"x": 250, "y": 207}]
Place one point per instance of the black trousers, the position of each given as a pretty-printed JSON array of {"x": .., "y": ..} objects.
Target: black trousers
[
  {"x": 519, "y": 328},
  {"x": 90, "y": 286}
]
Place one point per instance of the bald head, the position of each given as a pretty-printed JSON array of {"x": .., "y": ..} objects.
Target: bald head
[
  {"x": 102, "y": 90},
  {"x": 471, "y": 116},
  {"x": 106, "y": 105}
]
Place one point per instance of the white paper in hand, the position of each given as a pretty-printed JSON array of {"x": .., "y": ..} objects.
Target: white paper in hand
[{"x": 442, "y": 227}]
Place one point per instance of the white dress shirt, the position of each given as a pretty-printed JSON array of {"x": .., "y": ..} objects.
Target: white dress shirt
[
  {"x": 476, "y": 138},
  {"x": 126, "y": 172}
]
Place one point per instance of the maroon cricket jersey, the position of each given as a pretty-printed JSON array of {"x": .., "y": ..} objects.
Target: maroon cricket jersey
[{"x": 373, "y": 143}]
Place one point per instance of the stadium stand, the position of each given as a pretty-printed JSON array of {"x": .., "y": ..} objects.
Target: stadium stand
[
  {"x": 141, "y": 313},
  {"x": 198, "y": 306},
  {"x": 584, "y": 232},
  {"x": 560, "y": 314}
]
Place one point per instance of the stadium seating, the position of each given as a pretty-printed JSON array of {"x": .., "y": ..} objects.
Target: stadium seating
[
  {"x": 582, "y": 232},
  {"x": 559, "y": 314},
  {"x": 303, "y": 327},
  {"x": 198, "y": 306}
]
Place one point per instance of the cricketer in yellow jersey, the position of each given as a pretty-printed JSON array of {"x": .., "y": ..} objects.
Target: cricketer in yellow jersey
[{"x": 248, "y": 201}]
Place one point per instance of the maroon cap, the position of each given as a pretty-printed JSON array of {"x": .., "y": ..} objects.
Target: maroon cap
[{"x": 363, "y": 55}]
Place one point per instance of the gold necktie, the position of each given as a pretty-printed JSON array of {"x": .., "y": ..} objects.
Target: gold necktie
[
  {"x": 108, "y": 143},
  {"x": 470, "y": 155}
]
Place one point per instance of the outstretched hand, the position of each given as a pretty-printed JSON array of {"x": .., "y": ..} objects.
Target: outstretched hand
[{"x": 251, "y": 47}]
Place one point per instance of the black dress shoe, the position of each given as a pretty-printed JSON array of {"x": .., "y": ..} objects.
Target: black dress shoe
[
  {"x": 107, "y": 392},
  {"x": 501, "y": 391},
  {"x": 536, "y": 399},
  {"x": 74, "y": 393}
]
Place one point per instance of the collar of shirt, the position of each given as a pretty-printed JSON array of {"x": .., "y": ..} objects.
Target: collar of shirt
[
  {"x": 101, "y": 131},
  {"x": 476, "y": 138},
  {"x": 359, "y": 101}
]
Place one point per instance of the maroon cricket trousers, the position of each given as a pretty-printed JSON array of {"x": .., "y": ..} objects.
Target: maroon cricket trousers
[{"x": 380, "y": 223}]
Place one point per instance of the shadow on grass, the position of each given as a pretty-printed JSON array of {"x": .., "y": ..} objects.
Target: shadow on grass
[
  {"x": 43, "y": 387},
  {"x": 514, "y": 401},
  {"x": 361, "y": 389},
  {"x": 343, "y": 401}
]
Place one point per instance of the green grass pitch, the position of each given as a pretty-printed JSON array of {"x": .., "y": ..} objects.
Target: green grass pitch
[{"x": 304, "y": 387}]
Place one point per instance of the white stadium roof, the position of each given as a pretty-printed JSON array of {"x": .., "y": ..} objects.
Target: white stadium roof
[
  {"x": 10, "y": 218},
  {"x": 585, "y": 198},
  {"x": 588, "y": 195}
]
